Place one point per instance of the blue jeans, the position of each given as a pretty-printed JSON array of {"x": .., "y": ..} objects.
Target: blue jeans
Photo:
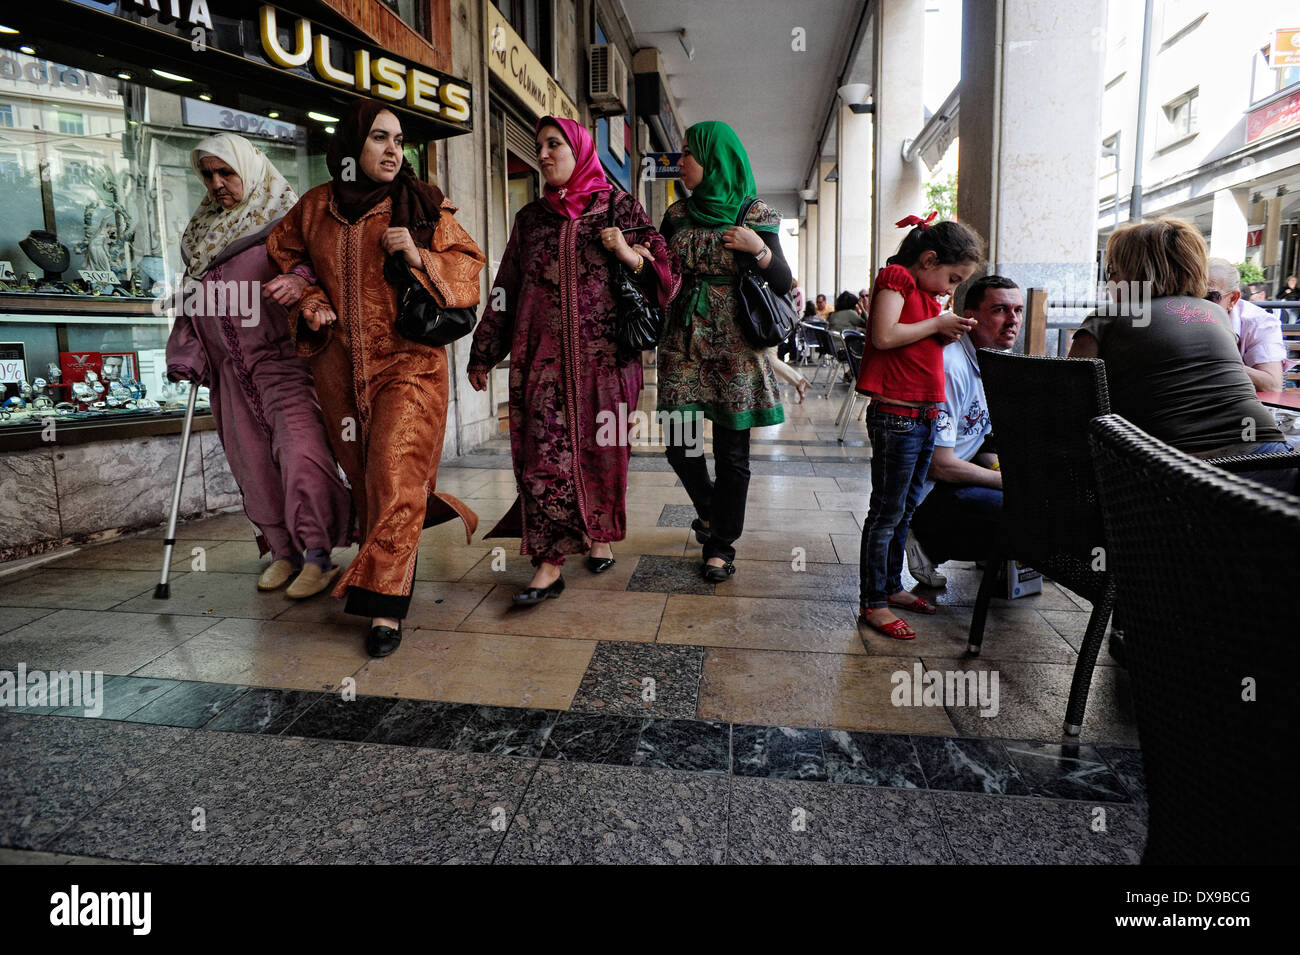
[
  {"x": 900, "y": 456},
  {"x": 1282, "y": 479}
]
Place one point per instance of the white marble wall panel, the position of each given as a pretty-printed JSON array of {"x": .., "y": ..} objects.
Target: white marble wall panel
[
  {"x": 124, "y": 483},
  {"x": 219, "y": 484},
  {"x": 29, "y": 508}
]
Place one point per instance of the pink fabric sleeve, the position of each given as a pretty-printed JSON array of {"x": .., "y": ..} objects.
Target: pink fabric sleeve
[
  {"x": 186, "y": 359},
  {"x": 1261, "y": 339}
]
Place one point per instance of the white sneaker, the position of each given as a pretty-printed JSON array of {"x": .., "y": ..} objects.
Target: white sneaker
[{"x": 920, "y": 566}]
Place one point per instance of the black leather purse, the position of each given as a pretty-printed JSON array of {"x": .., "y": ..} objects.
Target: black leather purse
[
  {"x": 637, "y": 323},
  {"x": 419, "y": 316},
  {"x": 765, "y": 318}
]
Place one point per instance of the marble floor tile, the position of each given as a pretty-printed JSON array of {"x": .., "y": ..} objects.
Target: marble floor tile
[
  {"x": 231, "y": 526},
  {"x": 842, "y": 500},
  {"x": 798, "y": 524},
  {"x": 213, "y": 594},
  {"x": 426, "y": 723},
  {"x": 506, "y": 731},
  {"x": 593, "y": 738},
  {"x": 576, "y": 614},
  {"x": 872, "y": 759},
  {"x": 780, "y": 546},
  {"x": 188, "y": 704},
  {"x": 580, "y": 813},
  {"x": 1009, "y": 634},
  {"x": 964, "y": 584},
  {"x": 641, "y": 679},
  {"x": 669, "y": 575},
  {"x": 677, "y": 515},
  {"x": 770, "y": 578},
  {"x": 443, "y": 553},
  {"x": 11, "y": 618},
  {"x": 132, "y": 553},
  {"x": 268, "y": 653},
  {"x": 848, "y": 548},
  {"x": 777, "y": 752},
  {"x": 637, "y": 479},
  {"x": 124, "y": 695},
  {"x": 779, "y": 821},
  {"x": 846, "y": 469},
  {"x": 860, "y": 487},
  {"x": 656, "y": 542},
  {"x": 1032, "y": 699},
  {"x": 782, "y": 468},
  {"x": 495, "y": 669},
  {"x": 969, "y": 765},
  {"x": 821, "y": 690},
  {"x": 516, "y": 572},
  {"x": 87, "y": 640},
  {"x": 757, "y": 623},
  {"x": 336, "y": 717},
  {"x": 1065, "y": 771},
  {"x": 80, "y": 589},
  {"x": 995, "y": 830},
  {"x": 759, "y": 497},
  {"x": 777, "y": 483},
  {"x": 698, "y": 746},
  {"x": 53, "y": 771},
  {"x": 1072, "y": 626},
  {"x": 266, "y": 711},
  {"x": 1126, "y": 763},
  {"x": 435, "y": 605}
]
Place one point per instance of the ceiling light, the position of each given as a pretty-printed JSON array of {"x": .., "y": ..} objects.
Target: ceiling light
[
  {"x": 205, "y": 97},
  {"x": 5, "y": 29},
  {"x": 29, "y": 50},
  {"x": 323, "y": 117},
  {"x": 329, "y": 129},
  {"x": 123, "y": 75},
  {"x": 172, "y": 76},
  {"x": 274, "y": 114}
]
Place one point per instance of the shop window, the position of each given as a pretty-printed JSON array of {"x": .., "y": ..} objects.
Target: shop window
[
  {"x": 1180, "y": 119},
  {"x": 531, "y": 19},
  {"x": 1265, "y": 81},
  {"x": 7, "y": 117},
  {"x": 73, "y": 124}
]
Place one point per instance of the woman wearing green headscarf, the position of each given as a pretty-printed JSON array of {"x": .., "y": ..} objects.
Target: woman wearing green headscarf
[{"x": 705, "y": 367}]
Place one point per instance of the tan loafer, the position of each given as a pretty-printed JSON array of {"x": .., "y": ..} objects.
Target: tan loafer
[
  {"x": 311, "y": 581},
  {"x": 275, "y": 576}
]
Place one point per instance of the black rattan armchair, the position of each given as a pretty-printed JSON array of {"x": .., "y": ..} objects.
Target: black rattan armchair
[
  {"x": 1205, "y": 564},
  {"x": 1051, "y": 516}
]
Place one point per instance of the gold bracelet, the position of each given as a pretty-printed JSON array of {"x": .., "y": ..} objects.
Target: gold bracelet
[{"x": 640, "y": 264}]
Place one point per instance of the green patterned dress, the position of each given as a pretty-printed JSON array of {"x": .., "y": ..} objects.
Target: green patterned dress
[{"x": 703, "y": 362}]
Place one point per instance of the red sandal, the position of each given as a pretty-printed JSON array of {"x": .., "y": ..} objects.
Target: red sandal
[
  {"x": 898, "y": 629},
  {"x": 920, "y": 605}
]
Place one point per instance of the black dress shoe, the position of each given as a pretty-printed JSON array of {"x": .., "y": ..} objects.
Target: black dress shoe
[
  {"x": 381, "y": 641},
  {"x": 718, "y": 574},
  {"x": 535, "y": 595},
  {"x": 701, "y": 531},
  {"x": 598, "y": 565}
]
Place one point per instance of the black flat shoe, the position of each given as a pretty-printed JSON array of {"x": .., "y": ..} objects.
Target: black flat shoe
[
  {"x": 535, "y": 595},
  {"x": 598, "y": 565},
  {"x": 381, "y": 641},
  {"x": 701, "y": 531},
  {"x": 718, "y": 574}
]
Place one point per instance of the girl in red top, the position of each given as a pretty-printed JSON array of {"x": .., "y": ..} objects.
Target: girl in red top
[{"x": 902, "y": 371}]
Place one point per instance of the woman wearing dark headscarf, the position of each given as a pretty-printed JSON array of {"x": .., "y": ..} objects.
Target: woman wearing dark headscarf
[
  {"x": 705, "y": 366},
  {"x": 554, "y": 315},
  {"x": 384, "y": 396}
]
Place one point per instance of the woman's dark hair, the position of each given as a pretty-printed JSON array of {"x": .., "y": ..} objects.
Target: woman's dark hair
[
  {"x": 951, "y": 241},
  {"x": 809, "y": 309},
  {"x": 845, "y": 301}
]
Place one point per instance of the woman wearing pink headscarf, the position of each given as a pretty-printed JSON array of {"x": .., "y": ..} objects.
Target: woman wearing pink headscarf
[{"x": 551, "y": 310}]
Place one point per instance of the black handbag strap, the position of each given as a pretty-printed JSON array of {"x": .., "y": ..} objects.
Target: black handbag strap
[{"x": 744, "y": 209}]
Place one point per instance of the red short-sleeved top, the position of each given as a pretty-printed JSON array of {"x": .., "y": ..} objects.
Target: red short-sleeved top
[{"x": 913, "y": 372}]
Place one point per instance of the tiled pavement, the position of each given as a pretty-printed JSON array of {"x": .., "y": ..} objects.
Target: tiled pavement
[{"x": 644, "y": 716}]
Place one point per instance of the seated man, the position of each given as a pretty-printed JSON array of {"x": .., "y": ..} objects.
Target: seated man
[
  {"x": 1258, "y": 331},
  {"x": 959, "y": 516}
]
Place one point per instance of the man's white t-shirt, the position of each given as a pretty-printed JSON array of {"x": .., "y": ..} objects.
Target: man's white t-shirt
[{"x": 963, "y": 421}]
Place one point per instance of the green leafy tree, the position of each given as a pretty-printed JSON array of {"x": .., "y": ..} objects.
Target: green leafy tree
[{"x": 941, "y": 194}]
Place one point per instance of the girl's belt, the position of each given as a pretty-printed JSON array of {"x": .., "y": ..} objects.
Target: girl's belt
[{"x": 926, "y": 414}]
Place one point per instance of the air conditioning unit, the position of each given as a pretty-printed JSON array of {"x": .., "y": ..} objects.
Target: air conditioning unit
[{"x": 606, "y": 79}]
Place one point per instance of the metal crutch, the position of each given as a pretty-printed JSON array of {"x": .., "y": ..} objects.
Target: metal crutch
[{"x": 164, "y": 589}]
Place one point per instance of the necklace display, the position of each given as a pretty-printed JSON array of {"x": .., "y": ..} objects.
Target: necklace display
[{"x": 45, "y": 249}]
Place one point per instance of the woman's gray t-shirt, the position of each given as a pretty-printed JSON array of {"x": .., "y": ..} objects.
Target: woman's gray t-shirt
[{"x": 1173, "y": 369}]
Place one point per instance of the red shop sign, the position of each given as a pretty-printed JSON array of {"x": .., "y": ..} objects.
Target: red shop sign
[{"x": 1273, "y": 118}]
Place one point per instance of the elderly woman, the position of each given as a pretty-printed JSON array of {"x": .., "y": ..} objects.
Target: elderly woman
[
  {"x": 384, "y": 396},
  {"x": 554, "y": 314},
  {"x": 263, "y": 402},
  {"x": 705, "y": 366},
  {"x": 1172, "y": 365}
]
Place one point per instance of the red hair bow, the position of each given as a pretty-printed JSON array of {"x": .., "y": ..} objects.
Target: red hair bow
[{"x": 916, "y": 220}]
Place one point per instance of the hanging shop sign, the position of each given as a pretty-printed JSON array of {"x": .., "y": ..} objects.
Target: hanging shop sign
[
  {"x": 522, "y": 73},
  {"x": 1273, "y": 118},
  {"x": 1286, "y": 49},
  {"x": 285, "y": 51}
]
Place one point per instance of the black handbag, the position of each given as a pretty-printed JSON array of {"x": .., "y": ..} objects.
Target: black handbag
[
  {"x": 766, "y": 318},
  {"x": 637, "y": 324},
  {"x": 419, "y": 315}
]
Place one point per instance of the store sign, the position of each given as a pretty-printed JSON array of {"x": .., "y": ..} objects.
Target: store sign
[
  {"x": 515, "y": 65},
  {"x": 1286, "y": 49},
  {"x": 1254, "y": 237},
  {"x": 662, "y": 165},
  {"x": 1273, "y": 118}
]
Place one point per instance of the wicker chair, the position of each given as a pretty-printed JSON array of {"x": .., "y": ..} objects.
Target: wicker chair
[
  {"x": 1204, "y": 564},
  {"x": 1051, "y": 516}
]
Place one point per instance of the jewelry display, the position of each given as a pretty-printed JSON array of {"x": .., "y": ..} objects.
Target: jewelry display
[{"x": 45, "y": 249}]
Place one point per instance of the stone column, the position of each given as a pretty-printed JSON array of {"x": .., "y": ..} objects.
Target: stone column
[
  {"x": 1228, "y": 225},
  {"x": 855, "y": 134},
  {"x": 827, "y": 238},
  {"x": 811, "y": 238},
  {"x": 900, "y": 114},
  {"x": 1031, "y": 94}
]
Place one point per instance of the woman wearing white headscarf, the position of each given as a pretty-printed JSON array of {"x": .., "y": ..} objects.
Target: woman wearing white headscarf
[{"x": 232, "y": 335}]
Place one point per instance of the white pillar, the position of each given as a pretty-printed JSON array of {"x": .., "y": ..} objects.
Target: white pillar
[
  {"x": 827, "y": 220},
  {"x": 900, "y": 114},
  {"x": 855, "y": 135},
  {"x": 812, "y": 240},
  {"x": 1228, "y": 227}
]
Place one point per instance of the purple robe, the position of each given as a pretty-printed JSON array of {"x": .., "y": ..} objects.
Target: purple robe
[
  {"x": 551, "y": 310},
  {"x": 264, "y": 405}
]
